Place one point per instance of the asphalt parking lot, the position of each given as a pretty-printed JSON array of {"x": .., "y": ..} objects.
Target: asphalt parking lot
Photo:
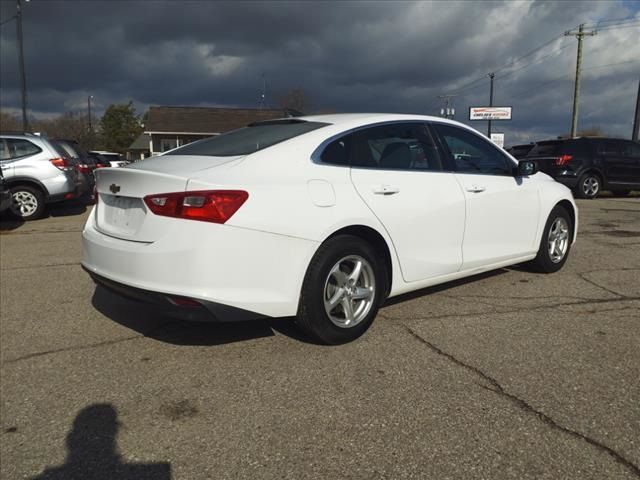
[{"x": 506, "y": 375}]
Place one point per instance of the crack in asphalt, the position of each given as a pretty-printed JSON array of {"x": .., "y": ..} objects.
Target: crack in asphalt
[
  {"x": 93, "y": 345},
  {"x": 523, "y": 405},
  {"x": 27, "y": 267},
  {"x": 13, "y": 233},
  {"x": 527, "y": 309},
  {"x": 596, "y": 284}
]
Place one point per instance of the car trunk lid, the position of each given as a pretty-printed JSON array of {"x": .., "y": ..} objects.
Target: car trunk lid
[{"x": 121, "y": 211}]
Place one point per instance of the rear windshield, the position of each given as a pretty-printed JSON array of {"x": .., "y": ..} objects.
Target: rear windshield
[
  {"x": 249, "y": 139},
  {"x": 63, "y": 149},
  {"x": 544, "y": 149}
]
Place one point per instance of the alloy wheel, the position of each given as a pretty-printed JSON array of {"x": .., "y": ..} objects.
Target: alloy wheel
[
  {"x": 24, "y": 203},
  {"x": 558, "y": 240},
  {"x": 590, "y": 186},
  {"x": 349, "y": 291}
]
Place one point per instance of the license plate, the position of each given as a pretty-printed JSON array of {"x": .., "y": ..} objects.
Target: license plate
[{"x": 124, "y": 214}]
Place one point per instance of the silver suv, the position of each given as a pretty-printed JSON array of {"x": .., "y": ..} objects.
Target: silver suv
[{"x": 36, "y": 172}]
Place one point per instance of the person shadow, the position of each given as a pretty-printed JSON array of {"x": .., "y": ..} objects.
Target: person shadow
[{"x": 93, "y": 454}]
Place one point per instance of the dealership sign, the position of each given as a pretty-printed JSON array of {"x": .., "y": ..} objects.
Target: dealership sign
[{"x": 489, "y": 113}]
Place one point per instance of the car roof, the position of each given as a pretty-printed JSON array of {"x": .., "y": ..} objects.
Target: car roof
[{"x": 358, "y": 119}]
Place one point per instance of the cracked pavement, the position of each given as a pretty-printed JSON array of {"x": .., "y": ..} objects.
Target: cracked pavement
[{"x": 509, "y": 374}]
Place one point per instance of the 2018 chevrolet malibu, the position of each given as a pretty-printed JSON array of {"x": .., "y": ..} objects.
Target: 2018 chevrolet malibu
[{"x": 322, "y": 218}]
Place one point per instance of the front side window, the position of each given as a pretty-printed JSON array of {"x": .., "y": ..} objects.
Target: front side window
[
  {"x": 21, "y": 148},
  {"x": 473, "y": 154},
  {"x": 249, "y": 139},
  {"x": 396, "y": 146}
]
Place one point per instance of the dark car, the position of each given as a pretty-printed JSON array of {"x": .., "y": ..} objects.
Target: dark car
[
  {"x": 520, "y": 151},
  {"x": 589, "y": 165},
  {"x": 5, "y": 194},
  {"x": 85, "y": 174}
]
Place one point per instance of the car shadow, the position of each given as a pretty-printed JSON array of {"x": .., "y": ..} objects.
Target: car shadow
[
  {"x": 443, "y": 286},
  {"x": 153, "y": 323},
  {"x": 9, "y": 223},
  {"x": 92, "y": 451},
  {"x": 69, "y": 208}
]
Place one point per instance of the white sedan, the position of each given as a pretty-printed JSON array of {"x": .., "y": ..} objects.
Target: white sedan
[{"x": 322, "y": 218}]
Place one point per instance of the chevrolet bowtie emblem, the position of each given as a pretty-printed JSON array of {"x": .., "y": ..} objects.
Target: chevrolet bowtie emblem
[{"x": 114, "y": 188}]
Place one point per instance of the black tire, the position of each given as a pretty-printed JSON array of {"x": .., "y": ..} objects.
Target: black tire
[
  {"x": 621, "y": 193},
  {"x": 589, "y": 186},
  {"x": 312, "y": 316},
  {"x": 544, "y": 262},
  {"x": 28, "y": 202}
]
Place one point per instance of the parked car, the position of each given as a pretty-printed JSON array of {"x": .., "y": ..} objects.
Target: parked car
[
  {"x": 36, "y": 173},
  {"x": 321, "y": 217},
  {"x": 520, "y": 151},
  {"x": 84, "y": 164},
  {"x": 114, "y": 159},
  {"x": 98, "y": 160},
  {"x": 5, "y": 194},
  {"x": 589, "y": 165}
]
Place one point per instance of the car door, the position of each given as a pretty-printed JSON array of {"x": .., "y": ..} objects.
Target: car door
[
  {"x": 502, "y": 210},
  {"x": 631, "y": 154},
  {"x": 397, "y": 170},
  {"x": 615, "y": 166}
]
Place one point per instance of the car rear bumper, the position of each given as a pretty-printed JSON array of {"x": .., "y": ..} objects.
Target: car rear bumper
[
  {"x": 204, "y": 312},
  {"x": 235, "y": 273}
]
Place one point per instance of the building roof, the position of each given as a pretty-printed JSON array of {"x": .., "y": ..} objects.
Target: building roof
[
  {"x": 140, "y": 143},
  {"x": 206, "y": 120}
]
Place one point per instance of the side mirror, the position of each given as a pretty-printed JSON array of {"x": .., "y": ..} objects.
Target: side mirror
[{"x": 526, "y": 168}]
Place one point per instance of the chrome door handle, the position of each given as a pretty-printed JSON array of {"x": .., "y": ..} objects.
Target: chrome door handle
[
  {"x": 386, "y": 190},
  {"x": 476, "y": 189}
]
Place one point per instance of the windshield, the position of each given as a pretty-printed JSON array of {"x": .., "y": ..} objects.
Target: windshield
[{"x": 249, "y": 139}]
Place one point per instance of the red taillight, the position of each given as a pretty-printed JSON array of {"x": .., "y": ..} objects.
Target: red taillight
[
  {"x": 61, "y": 163},
  {"x": 215, "y": 206},
  {"x": 563, "y": 160},
  {"x": 83, "y": 168}
]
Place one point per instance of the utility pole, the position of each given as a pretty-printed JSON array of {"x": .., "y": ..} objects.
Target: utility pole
[
  {"x": 89, "y": 110},
  {"x": 491, "y": 76},
  {"x": 636, "y": 122},
  {"x": 580, "y": 34},
  {"x": 447, "y": 111},
  {"x": 23, "y": 79}
]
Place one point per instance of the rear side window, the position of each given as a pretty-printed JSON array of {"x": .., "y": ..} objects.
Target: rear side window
[
  {"x": 397, "y": 146},
  {"x": 631, "y": 149},
  {"x": 338, "y": 152},
  {"x": 4, "y": 150},
  {"x": 19, "y": 148},
  {"x": 249, "y": 139},
  {"x": 608, "y": 147}
]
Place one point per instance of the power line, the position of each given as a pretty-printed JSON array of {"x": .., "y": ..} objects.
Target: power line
[
  {"x": 612, "y": 21},
  {"x": 537, "y": 61},
  {"x": 8, "y": 20}
]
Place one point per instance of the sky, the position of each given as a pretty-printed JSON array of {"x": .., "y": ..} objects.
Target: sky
[{"x": 347, "y": 56}]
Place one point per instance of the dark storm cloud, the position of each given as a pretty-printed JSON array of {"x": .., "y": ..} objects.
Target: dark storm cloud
[{"x": 349, "y": 56}]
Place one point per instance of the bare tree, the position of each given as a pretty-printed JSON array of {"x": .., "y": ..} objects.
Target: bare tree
[
  {"x": 9, "y": 122},
  {"x": 295, "y": 99},
  {"x": 594, "y": 131}
]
